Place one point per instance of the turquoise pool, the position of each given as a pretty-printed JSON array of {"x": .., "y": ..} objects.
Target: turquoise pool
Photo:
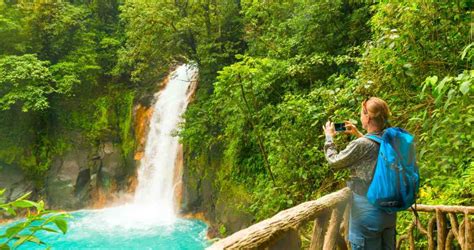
[{"x": 107, "y": 229}]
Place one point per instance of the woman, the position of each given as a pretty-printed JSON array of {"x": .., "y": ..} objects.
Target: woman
[{"x": 369, "y": 227}]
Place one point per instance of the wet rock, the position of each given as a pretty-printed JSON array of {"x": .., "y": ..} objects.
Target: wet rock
[
  {"x": 112, "y": 161},
  {"x": 82, "y": 181},
  {"x": 61, "y": 185},
  {"x": 13, "y": 180},
  {"x": 77, "y": 176}
]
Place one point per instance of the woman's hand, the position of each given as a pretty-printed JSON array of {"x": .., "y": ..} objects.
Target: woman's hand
[
  {"x": 329, "y": 129},
  {"x": 352, "y": 129}
]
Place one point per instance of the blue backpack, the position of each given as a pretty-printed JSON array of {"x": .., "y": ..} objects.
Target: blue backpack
[{"x": 396, "y": 180}]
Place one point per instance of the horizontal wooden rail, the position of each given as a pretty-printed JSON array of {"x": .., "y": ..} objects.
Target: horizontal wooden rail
[
  {"x": 444, "y": 209},
  {"x": 267, "y": 232}
]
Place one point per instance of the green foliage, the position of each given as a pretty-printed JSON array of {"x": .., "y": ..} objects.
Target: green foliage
[
  {"x": 37, "y": 219},
  {"x": 125, "y": 119},
  {"x": 222, "y": 230},
  {"x": 57, "y": 29},
  {"x": 25, "y": 79},
  {"x": 57, "y": 62},
  {"x": 155, "y": 23},
  {"x": 12, "y": 30},
  {"x": 450, "y": 114},
  {"x": 160, "y": 33},
  {"x": 29, "y": 81},
  {"x": 306, "y": 62},
  {"x": 36, "y": 162},
  {"x": 110, "y": 115}
]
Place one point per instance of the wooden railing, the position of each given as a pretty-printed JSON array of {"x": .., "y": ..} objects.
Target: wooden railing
[
  {"x": 442, "y": 228},
  {"x": 281, "y": 231},
  {"x": 330, "y": 214}
]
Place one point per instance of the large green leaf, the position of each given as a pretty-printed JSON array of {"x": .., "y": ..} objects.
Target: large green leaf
[
  {"x": 24, "y": 238},
  {"x": 49, "y": 229},
  {"x": 61, "y": 224},
  {"x": 24, "y": 204},
  {"x": 14, "y": 230}
]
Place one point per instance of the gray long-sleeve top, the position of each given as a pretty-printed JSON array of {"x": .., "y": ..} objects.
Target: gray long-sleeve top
[{"x": 360, "y": 156}]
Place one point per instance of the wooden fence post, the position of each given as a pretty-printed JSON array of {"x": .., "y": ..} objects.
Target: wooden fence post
[
  {"x": 343, "y": 238},
  {"x": 319, "y": 229},
  {"x": 333, "y": 228},
  {"x": 469, "y": 238},
  {"x": 441, "y": 229}
]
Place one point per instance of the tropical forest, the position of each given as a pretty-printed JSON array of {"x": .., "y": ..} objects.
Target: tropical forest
[{"x": 194, "y": 124}]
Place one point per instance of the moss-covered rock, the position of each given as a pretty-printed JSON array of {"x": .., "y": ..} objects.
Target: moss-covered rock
[{"x": 220, "y": 205}]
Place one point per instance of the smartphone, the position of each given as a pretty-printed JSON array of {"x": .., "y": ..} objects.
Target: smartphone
[{"x": 340, "y": 126}]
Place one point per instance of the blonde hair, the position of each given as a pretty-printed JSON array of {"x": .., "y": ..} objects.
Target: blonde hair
[{"x": 378, "y": 111}]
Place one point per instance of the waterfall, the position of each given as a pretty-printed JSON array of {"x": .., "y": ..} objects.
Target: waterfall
[
  {"x": 153, "y": 203},
  {"x": 155, "y": 188}
]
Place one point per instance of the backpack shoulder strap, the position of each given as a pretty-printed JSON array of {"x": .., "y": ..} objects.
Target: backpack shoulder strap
[
  {"x": 375, "y": 138},
  {"x": 378, "y": 140}
]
